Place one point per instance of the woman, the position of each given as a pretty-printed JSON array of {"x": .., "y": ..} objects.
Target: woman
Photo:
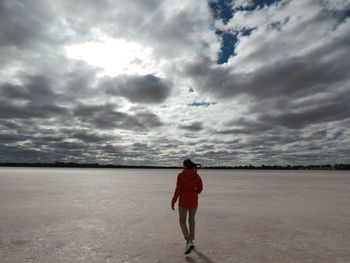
[{"x": 188, "y": 186}]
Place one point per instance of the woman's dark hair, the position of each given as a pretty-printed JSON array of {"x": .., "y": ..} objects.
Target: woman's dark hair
[{"x": 189, "y": 164}]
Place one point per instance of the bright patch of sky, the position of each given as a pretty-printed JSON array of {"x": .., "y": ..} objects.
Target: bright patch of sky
[{"x": 114, "y": 56}]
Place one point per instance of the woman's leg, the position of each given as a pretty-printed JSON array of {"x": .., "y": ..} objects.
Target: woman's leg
[
  {"x": 191, "y": 221},
  {"x": 182, "y": 219}
]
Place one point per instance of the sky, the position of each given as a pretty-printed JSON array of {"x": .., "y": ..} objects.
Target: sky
[{"x": 152, "y": 82}]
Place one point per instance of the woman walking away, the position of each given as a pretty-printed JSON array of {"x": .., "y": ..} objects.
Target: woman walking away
[{"x": 188, "y": 186}]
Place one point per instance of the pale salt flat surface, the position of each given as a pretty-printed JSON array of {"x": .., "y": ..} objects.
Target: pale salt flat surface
[{"x": 124, "y": 215}]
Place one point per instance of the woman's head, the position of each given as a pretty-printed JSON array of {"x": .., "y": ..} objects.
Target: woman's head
[{"x": 189, "y": 164}]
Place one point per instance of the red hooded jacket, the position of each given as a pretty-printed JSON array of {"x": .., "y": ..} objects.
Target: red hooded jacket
[{"x": 188, "y": 186}]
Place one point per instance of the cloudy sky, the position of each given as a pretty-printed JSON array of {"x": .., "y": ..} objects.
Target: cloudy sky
[{"x": 155, "y": 81}]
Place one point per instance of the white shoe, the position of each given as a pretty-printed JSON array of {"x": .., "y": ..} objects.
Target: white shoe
[{"x": 189, "y": 247}]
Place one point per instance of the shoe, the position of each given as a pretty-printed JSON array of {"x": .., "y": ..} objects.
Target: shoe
[{"x": 189, "y": 247}]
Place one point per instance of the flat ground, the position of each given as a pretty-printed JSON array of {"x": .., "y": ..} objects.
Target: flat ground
[{"x": 123, "y": 215}]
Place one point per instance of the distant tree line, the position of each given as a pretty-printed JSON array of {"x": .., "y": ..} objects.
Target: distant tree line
[
  {"x": 248, "y": 167},
  {"x": 286, "y": 167},
  {"x": 83, "y": 165}
]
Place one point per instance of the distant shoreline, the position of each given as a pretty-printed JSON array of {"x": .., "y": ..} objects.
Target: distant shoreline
[{"x": 246, "y": 167}]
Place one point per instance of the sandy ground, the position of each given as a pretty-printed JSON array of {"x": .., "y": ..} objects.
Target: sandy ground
[{"x": 111, "y": 215}]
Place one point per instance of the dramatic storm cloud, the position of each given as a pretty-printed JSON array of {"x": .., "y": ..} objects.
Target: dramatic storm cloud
[{"x": 153, "y": 82}]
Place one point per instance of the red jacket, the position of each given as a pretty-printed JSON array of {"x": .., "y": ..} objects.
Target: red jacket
[{"x": 188, "y": 186}]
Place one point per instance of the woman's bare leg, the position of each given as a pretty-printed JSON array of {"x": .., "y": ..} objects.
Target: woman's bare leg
[
  {"x": 182, "y": 219},
  {"x": 191, "y": 221}
]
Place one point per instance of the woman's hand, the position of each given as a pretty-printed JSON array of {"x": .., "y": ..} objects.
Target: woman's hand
[{"x": 172, "y": 206}]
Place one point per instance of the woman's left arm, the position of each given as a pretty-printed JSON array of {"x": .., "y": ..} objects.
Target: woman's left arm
[{"x": 199, "y": 184}]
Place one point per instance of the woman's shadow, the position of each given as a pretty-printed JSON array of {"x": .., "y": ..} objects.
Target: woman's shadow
[{"x": 203, "y": 257}]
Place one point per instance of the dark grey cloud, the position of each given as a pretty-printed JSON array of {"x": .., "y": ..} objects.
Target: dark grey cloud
[
  {"x": 55, "y": 151},
  {"x": 245, "y": 126},
  {"x": 271, "y": 115},
  {"x": 20, "y": 154},
  {"x": 295, "y": 77},
  {"x": 35, "y": 88},
  {"x": 79, "y": 79},
  {"x": 9, "y": 110},
  {"x": 6, "y": 138},
  {"x": 145, "y": 152},
  {"x": 169, "y": 35},
  {"x": 37, "y": 144},
  {"x": 91, "y": 137},
  {"x": 327, "y": 111},
  {"x": 10, "y": 124},
  {"x": 106, "y": 116},
  {"x": 195, "y": 126},
  {"x": 147, "y": 89},
  {"x": 277, "y": 147},
  {"x": 49, "y": 93},
  {"x": 38, "y": 136},
  {"x": 68, "y": 147},
  {"x": 34, "y": 99},
  {"x": 25, "y": 23}
]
